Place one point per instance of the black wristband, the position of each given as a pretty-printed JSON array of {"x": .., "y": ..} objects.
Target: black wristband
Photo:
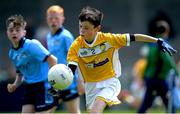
[{"x": 132, "y": 37}]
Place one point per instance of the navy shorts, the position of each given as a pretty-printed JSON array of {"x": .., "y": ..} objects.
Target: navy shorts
[
  {"x": 37, "y": 94},
  {"x": 68, "y": 94}
]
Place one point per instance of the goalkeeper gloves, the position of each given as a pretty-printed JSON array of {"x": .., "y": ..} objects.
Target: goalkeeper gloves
[{"x": 165, "y": 47}]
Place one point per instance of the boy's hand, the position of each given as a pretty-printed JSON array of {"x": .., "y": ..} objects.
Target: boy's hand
[
  {"x": 11, "y": 88},
  {"x": 53, "y": 91},
  {"x": 165, "y": 47}
]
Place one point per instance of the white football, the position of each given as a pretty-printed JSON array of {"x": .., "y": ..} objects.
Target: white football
[{"x": 60, "y": 76}]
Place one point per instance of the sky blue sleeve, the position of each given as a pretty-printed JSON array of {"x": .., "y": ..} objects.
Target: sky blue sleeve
[{"x": 37, "y": 50}]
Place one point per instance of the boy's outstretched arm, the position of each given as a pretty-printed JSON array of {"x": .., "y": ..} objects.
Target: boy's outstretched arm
[{"x": 164, "y": 46}]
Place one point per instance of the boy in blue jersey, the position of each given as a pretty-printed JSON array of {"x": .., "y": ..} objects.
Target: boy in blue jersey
[
  {"x": 31, "y": 60},
  {"x": 59, "y": 40}
]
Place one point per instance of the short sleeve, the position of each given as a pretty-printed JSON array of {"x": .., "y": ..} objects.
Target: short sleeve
[
  {"x": 118, "y": 40},
  {"x": 37, "y": 50}
]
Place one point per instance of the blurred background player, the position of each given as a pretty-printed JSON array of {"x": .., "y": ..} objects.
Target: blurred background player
[
  {"x": 95, "y": 54},
  {"x": 134, "y": 96},
  {"x": 158, "y": 66},
  {"x": 59, "y": 40},
  {"x": 31, "y": 60},
  {"x": 137, "y": 87},
  {"x": 176, "y": 100}
]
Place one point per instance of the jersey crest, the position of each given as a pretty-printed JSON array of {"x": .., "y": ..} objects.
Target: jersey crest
[{"x": 85, "y": 52}]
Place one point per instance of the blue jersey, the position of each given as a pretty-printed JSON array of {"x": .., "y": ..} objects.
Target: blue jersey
[
  {"x": 30, "y": 59},
  {"x": 58, "y": 44}
]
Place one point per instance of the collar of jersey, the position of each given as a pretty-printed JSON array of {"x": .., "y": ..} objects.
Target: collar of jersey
[
  {"x": 21, "y": 42},
  {"x": 58, "y": 31},
  {"x": 91, "y": 44}
]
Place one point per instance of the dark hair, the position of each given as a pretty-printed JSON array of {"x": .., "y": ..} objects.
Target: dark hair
[
  {"x": 92, "y": 15},
  {"x": 16, "y": 20},
  {"x": 155, "y": 28},
  {"x": 161, "y": 27}
]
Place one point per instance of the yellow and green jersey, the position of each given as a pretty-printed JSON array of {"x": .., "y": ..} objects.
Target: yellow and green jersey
[{"x": 99, "y": 60}]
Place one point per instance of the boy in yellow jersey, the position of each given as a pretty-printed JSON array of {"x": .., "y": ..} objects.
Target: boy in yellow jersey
[{"x": 95, "y": 54}]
